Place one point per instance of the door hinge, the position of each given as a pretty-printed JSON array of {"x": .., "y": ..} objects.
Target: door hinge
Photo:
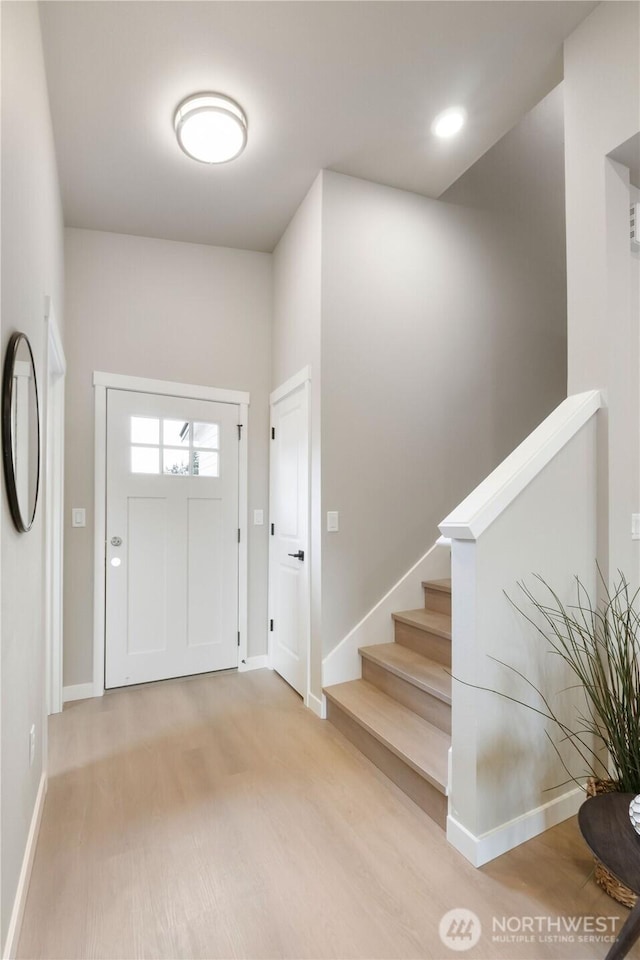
[
  {"x": 238, "y": 534},
  {"x": 273, "y": 529},
  {"x": 239, "y": 431},
  {"x": 271, "y": 625},
  {"x": 273, "y": 433},
  {"x": 238, "y": 638}
]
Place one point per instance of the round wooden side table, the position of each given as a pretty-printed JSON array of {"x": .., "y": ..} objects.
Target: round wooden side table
[{"x": 606, "y": 828}]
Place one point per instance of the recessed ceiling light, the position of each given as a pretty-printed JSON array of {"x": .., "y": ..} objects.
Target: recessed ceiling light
[
  {"x": 449, "y": 122},
  {"x": 211, "y": 128}
]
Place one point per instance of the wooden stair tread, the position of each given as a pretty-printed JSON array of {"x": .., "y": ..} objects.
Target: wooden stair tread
[
  {"x": 444, "y": 586},
  {"x": 428, "y": 675},
  {"x": 427, "y": 620},
  {"x": 415, "y": 741}
]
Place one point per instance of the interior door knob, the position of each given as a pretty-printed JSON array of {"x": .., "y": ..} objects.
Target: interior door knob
[{"x": 297, "y": 556}]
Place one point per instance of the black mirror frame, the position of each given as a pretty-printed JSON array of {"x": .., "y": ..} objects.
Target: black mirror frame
[{"x": 7, "y": 430}]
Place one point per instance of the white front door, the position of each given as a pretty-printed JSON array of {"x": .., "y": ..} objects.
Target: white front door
[
  {"x": 289, "y": 549},
  {"x": 171, "y": 537}
]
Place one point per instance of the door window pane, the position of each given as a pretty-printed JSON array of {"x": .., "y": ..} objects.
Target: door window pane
[
  {"x": 175, "y": 433},
  {"x": 176, "y": 462},
  {"x": 145, "y": 459},
  {"x": 181, "y": 448},
  {"x": 206, "y": 435},
  {"x": 145, "y": 430},
  {"x": 206, "y": 463}
]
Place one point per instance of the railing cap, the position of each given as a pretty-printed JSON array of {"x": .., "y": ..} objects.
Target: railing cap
[{"x": 491, "y": 497}]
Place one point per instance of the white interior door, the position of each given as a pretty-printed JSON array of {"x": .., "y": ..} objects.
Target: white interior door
[
  {"x": 289, "y": 541},
  {"x": 171, "y": 537}
]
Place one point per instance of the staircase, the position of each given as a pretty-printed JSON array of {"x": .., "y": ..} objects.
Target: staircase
[{"x": 399, "y": 713}]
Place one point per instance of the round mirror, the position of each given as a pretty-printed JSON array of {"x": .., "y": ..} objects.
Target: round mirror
[{"x": 21, "y": 431}]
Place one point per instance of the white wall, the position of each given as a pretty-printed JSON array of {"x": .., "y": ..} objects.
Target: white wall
[
  {"x": 507, "y": 782},
  {"x": 443, "y": 345},
  {"x": 296, "y": 344},
  {"x": 602, "y": 111},
  {"x": 171, "y": 311},
  {"x": 634, "y": 192},
  {"x": 296, "y": 290},
  {"x": 621, "y": 418},
  {"x": 32, "y": 267},
  {"x": 599, "y": 116}
]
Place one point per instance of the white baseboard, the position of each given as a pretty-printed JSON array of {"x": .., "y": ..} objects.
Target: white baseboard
[
  {"x": 318, "y": 705},
  {"x": 254, "y": 663},
  {"x": 488, "y": 846},
  {"x": 15, "y": 923},
  {"x": 343, "y": 662},
  {"x": 77, "y": 691}
]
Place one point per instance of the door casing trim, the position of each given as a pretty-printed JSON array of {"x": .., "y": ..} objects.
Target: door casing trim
[
  {"x": 55, "y": 370},
  {"x": 116, "y": 381},
  {"x": 297, "y": 380}
]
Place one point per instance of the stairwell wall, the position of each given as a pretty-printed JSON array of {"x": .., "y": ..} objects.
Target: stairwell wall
[{"x": 443, "y": 343}]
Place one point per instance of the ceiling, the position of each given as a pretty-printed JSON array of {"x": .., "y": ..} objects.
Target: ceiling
[{"x": 349, "y": 86}]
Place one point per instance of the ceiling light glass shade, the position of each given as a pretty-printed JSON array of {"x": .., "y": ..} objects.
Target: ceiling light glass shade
[
  {"x": 448, "y": 123},
  {"x": 211, "y": 128}
]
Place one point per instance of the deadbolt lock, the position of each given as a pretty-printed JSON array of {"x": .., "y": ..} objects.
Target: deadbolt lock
[{"x": 116, "y": 541}]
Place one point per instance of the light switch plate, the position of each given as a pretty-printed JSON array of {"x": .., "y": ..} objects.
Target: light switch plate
[
  {"x": 635, "y": 526},
  {"x": 332, "y": 521},
  {"x": 258, "y": 518},
  {"x": 78, "y": 517}
]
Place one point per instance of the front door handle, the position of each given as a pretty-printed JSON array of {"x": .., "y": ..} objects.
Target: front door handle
[{"x": 297, "y": 556}]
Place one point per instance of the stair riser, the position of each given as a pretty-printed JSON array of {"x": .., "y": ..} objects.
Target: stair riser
[
  {"x": 437, "y": 601},
  {"x": 428, "y": 644},
  {"x": 419, "y": 790},
  {"x": 424, "y": 704}
]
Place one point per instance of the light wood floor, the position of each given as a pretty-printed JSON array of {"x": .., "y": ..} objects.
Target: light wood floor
[{"x": 216, "y": 817}]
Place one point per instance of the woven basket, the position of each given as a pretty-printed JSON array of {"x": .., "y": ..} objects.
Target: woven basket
[{"x": 603, "y": 878}]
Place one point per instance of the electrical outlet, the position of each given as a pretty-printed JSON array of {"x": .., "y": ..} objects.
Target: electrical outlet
[{"x": 32, "y": 744}]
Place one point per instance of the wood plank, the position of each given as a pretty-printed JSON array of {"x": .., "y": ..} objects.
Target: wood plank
[
  {"x": 430, "y": 708},
  {"x": 217, "y": 817},
  {"x": 442, "y": 586},
  {"x": 428, "y": 798},
  {"x": 429, "y": 675},
  {"x": 437, "y": 596},
  {"x": 439, "y": 624},
  {"x": 417, "y": 743},
  {"x": 427, "y": 644}
]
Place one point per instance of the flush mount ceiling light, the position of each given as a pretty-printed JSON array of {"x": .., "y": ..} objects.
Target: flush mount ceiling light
[
  {"x": 211, "y": 128},
  {"x": 449, "y": 122}
]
